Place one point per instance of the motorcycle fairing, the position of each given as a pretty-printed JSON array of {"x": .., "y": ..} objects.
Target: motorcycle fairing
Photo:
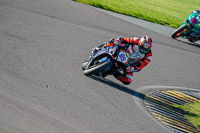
[
  {"x": 101, "y": 54},
  {"x": 123, "y": 56}
]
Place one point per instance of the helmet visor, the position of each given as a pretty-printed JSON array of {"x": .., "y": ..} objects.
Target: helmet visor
[{"x": 143, "y": 49}]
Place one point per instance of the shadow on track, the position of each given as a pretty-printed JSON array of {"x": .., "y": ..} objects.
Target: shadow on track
[
  {"x": 118, "y": 86},
  {"x": 190, "y": 43}
]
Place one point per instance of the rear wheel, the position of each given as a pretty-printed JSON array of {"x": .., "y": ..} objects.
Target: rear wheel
[
  {"x": 179, "y": 32},
  {"x": 96, "y": 68}
]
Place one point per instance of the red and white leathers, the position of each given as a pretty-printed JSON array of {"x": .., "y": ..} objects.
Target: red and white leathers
[{"x": 137, "y": 56}]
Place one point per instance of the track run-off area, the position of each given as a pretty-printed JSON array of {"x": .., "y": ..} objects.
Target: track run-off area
[{"x": 43, "y": 89}]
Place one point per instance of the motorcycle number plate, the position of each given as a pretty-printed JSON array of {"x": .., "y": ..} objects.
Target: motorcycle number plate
[{"x": 123, "y": 57}]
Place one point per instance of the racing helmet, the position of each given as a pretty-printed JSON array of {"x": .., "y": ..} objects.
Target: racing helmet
[{"x": 145, "y": 44}]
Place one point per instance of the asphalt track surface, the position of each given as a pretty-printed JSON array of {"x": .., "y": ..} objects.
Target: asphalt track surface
[{"x": 42, "y": 87}]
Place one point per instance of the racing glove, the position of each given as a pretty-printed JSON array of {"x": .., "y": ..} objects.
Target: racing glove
[{"x": 118, "y": 41}]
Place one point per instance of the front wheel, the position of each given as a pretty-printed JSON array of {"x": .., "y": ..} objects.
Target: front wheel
[
  {"x": 179, "y": 32},
  {"x": 84, "y": 64},
  {"x": 95, "y": 69}
]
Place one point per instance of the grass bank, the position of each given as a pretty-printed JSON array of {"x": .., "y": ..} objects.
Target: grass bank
[
  {"x": 166, "y": 12},
  {"x": 193, "y": 108}
]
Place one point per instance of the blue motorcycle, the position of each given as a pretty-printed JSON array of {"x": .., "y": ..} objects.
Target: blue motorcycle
[{"x": 106, "y": 61}]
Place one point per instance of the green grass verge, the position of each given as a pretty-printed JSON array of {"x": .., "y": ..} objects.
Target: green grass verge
[
  {"x": 166, "y": 12},
  {"x": 193, "y": 115}
]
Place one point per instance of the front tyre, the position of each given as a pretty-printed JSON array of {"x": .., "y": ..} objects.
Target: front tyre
[
  {"x": 179, "y": 32},
  {"x": 84, "y": 64},
  {"x": 95, "y": 69}
]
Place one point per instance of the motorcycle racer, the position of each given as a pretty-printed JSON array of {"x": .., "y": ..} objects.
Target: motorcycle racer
[
  {"x": 195, "y": 36},
  {"x": 140, "y": 53},
  {"x": 198, "y": 10}
]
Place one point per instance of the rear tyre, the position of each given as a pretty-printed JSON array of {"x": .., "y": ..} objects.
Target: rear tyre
[
  {"x": 94, "y": 69},
  {"x": 179, "y": 32}
]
